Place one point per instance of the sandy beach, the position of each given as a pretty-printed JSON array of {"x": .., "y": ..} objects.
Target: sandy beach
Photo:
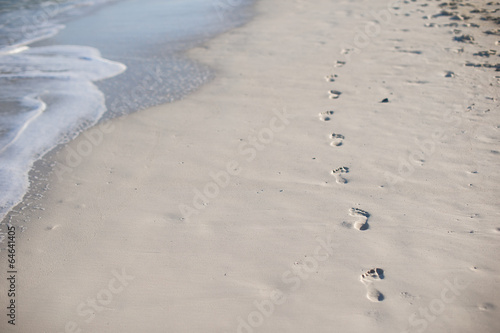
[{"x": 336, "y": 175}]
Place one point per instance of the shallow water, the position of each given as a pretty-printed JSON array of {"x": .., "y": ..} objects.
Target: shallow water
[{"x": 65, "y": 65}]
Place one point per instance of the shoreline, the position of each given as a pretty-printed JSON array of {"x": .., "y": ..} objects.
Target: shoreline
[
  {"x": 153, "y": 77},
  {"x": 312, "y": 203}
]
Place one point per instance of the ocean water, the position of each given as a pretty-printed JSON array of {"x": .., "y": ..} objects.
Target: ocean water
[{"x": 66, "y": 65}]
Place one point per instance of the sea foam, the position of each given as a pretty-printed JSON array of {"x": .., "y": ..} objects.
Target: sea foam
[{"x": 47, "y": 98}]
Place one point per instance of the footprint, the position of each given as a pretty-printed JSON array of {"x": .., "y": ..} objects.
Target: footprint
[
  {"x": 374, "y": 295},
  {"x": 486, "y": 307},
  {"x": 486, "y": 53},
  {"x": 330, "y": 78},
  {"x": 325, "y": 116},
  {"x": 464, "y": 39},
  {"x": 442, "y": 13},
  {"x": 339, "y": 63},
  {"x": 338, "y": 174},
  {"x": 411, "y": 51},
  {"x": 334, "y": 94},
  {"x": 495, "y": 32},
  {"x": 458, "y": 17},
  {"x": 338, "y": 139},
  {"x": 367, "y": 279},
  {"x": 362, "y": 223},
  {"x": 471, "y": 64},
  {"x": 52, "y": 227}
]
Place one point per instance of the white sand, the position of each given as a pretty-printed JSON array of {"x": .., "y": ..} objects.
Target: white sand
[{"x": 284, "y": 223}]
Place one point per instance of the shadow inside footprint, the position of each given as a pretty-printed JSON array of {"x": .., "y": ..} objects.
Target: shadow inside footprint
[
  {"x": 449, "y": 74},
  {"x": 339, "y": 63},
  {"x": 374, "y": 295},
  {"x": 364, "y": 226},
  {"x": 380, "y": 273},
  {"x": 334, "y": 94}
]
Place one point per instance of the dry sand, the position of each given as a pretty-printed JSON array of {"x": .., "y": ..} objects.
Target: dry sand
[{"x": 251, "y": 207}]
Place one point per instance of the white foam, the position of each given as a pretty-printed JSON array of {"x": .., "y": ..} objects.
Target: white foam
[
  {"x": 48, "y": 97},
  {"x": 13, "y": 50}
]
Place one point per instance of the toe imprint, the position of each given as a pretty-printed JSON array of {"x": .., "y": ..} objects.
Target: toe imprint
[{"x": 325, "y": 116}]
